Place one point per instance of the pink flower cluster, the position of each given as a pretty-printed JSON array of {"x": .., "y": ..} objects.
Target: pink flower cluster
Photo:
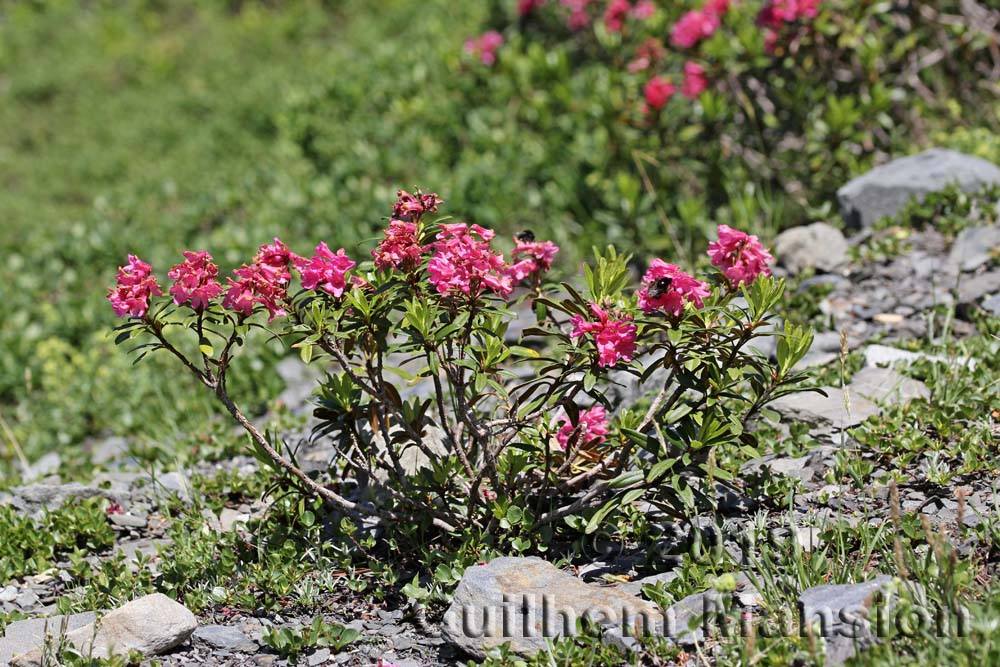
[
  {"x": 256, "y": 285},
  {"x": 741, "y": 256},
  {"x": 326, "y": 269},
  {"x": 698, "y": 24},
  {"x": 463, "y": 262},
  {"x": 136, "y": 284},
  {"x": 400, "y": 249},
  {"x": 613, "y": 336},
  {"x": 525, "y": 7},
  {"x": 592, "y": 427},
  {"x": 777, "y": 13},
  {"x": 695, "y": 81},
  {"x": 658, "y": 92},
  {"x": 666, "y": 288},
  {"x": 618, "y": 10},
  {"x": 579, "y": 17},
  {"x": 531, "y": 257},
  {"x": 194, "y": 280},
  {"x": 485, "y": 46},
  {"x": 412, "y": 207}
]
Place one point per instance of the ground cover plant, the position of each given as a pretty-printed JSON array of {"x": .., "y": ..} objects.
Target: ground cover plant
[{"x": 440, "y": 296}]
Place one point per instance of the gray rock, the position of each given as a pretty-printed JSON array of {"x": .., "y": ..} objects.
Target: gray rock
[
  {"x": 225, "y": 638},
  {"x": 972, "y": 289},
  {"x": 883, "y": 355},
  {"x": 108, "y": 450},
  {"x": 128, "y": 520},
  {"x": 792, "y": 467},
  {"x": 817, "y": 246},
  {"x": 43, "y": 467},
  {"x": 691, "y": 619},
  {"x": 842, "y": 612},
  {"x": 175, "y": 482},
  {"x": 8, "y": 594},
  {"x": 992, "y": 304},
  {"x": 635, "y": 587},
  {"x": 27, "y": 599},
  {"x": 826, "y": 413},
  {"x": 23, "y": 636},
  {"x": 151, "y": 625},
  {"x": 885, "y": 385},
  {"x": 36, "y": 498},
  {"x": 885, "y": 190},
  {"x": 319, "y": 657},
  {"x": 538, "y": 602},
  {"x": 972, "y": 247}
]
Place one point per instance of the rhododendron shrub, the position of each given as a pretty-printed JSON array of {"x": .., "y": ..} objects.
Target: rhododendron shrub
[{"x": 441, "y": 415}]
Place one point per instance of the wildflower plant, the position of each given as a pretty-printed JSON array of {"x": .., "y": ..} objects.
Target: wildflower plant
[{"x": 443, "y": 417}]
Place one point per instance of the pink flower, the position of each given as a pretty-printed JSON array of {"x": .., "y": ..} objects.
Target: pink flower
[
  {"x": 614, "y": 338},
  {"x": 525, "y": 7},
  {"x": 693, "y": 27},
  {"x": 649, "y": 53},
  {"x": 665, "y": 287},
  {"x": 136, "y": 284},
  {"x": 485, "y": 46},
  {"x": 399, "y": 249},
  {"x": 776, "y": 12},
  {"x": 194, "y": 280},
  {"x": 382, "y": 662},
  {"x": 578, "y": 15},
  {"x": 410, "y": 208},
  {"x": 276, "y": 258},
  {"x": 592, "y": 428},
  {"x": 257, "y": 285},
  {"x": 325, "y": 269},
  {"x": 644, "y": 9},
  {"x": 716, "y": 7},
  {"x": 695, "y": 82},
  {"x": 741, "y": 256},
  {"x": 615, "y": 14},
  {"x": 531, "y": 257},
  {"x": 658, "y": 92},
  {"x": 463, "y": 262}
]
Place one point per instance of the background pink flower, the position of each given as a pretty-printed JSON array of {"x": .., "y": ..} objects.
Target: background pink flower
[
  {"x": 485, "y": 46},
  {"x": 136, "y": 284},
  {"x": 525, "y": 7},
  {"x": 325, "y": 269},
  {"x": 463, "y": 262},
  {"x": 741, "y": 256},
  {"x": 593, "y": 428},
  {"x": 695, "y": 81},
  {"x": 665, "y": 287},
  {"x": 615, "y": 14},
  {"x": 693, "y": 27},
  {"x": 194, "y": 280},
  {"x": 658, "y": 92},
  {"x": 614, "y": 337}
]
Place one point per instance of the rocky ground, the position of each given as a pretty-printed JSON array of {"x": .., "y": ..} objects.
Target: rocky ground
[{"x": 879, "y": 295}]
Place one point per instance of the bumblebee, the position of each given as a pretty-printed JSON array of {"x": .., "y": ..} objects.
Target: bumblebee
[
  {"x": 526, "y": 236},
  {"x": 659, "y": 288}
]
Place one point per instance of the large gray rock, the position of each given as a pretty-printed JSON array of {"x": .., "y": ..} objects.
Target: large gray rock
[
  {"x": 151, "y": 625},
  {"x": 817, "y": 246},
  {"x": 885, "y": 190},
  {"x": 526, "y": 601},
  {"x": 841, "y": 613}
]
